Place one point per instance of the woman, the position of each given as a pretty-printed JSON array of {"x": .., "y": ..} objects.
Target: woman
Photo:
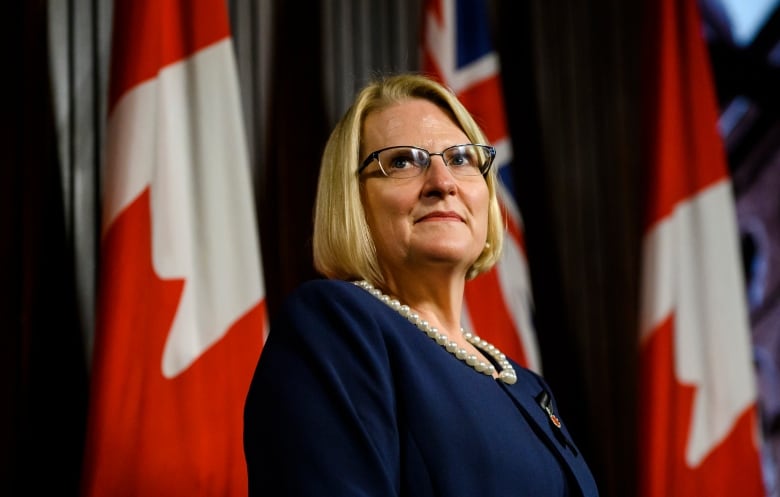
[{"x": 367, "y": 384}]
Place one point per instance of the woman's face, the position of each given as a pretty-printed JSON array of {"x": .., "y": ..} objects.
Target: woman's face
[{"x": 431, "y": 220}]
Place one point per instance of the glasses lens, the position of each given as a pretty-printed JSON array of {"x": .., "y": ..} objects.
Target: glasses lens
[
  {"x": 403, "y": 162},
  {"x": 467, "y": 160}
]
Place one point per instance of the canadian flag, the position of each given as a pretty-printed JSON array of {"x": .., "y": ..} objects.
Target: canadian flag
[
  {"x": 698, "y": 433},
  {"x": 457, "y": 50},
  {"x": 181, "y": 310}
]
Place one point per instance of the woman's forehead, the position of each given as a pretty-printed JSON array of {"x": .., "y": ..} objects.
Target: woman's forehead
[{"x": 416, "y": 122}]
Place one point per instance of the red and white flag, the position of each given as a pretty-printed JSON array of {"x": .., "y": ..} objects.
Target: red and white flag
[
  {"x": 181, "y": 311},
  {"x": 457, "y": 50},
  {"x": 698, "y": 432}
]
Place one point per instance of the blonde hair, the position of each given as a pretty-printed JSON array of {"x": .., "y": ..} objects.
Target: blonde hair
[{"x": 342, "y": 242}]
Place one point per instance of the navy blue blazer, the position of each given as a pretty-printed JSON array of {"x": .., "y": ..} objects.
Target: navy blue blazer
[{"x": 351, "y": 399}]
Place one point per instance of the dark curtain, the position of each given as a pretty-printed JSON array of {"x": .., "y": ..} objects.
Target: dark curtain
[
  {"x": 43, "y": 364},
  {"x": 296, "y": 135},
  {"x": 571, "y": 72}
]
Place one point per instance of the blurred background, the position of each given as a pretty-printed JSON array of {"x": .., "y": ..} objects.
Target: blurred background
[
  {"x": 744, "y": 45},
  {"x": 573, "y": 75}
]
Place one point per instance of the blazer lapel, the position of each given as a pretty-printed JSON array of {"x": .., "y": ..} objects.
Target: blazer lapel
[{"x": 534, "y": 399}]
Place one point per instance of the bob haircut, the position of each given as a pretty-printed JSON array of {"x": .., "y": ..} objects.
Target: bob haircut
[{"x": 343, "y": 246}]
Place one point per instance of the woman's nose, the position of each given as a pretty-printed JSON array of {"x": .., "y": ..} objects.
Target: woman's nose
[{"x": 438, "y": 176}]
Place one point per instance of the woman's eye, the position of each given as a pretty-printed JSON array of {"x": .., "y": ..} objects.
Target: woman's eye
[
  {"x": 403, "y": 160},
  {"x": 460, "y": 160},
  {"x": 400, "y": 162}
]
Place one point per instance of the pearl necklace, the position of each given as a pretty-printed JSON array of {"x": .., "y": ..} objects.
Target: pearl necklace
[{"x": 507, "y": 374}]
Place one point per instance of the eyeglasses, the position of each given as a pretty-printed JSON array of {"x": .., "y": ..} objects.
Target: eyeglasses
[{"x": 408, "y": 161}]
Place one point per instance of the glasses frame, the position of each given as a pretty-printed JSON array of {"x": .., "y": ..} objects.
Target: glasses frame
[{"x": 491, "y": 151}]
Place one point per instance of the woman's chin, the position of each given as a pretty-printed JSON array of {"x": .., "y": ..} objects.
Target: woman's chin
[{"x": 457, "y": 256}]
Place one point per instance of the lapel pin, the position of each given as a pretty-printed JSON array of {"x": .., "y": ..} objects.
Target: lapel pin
[{"x": 546, "y": 404}]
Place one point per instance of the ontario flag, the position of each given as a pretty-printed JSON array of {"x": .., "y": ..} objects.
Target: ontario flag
[
  {"x": 181, "y": 308},
  {"x": 457, "y": 50},
  {"x": 698, "y": 433}
]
